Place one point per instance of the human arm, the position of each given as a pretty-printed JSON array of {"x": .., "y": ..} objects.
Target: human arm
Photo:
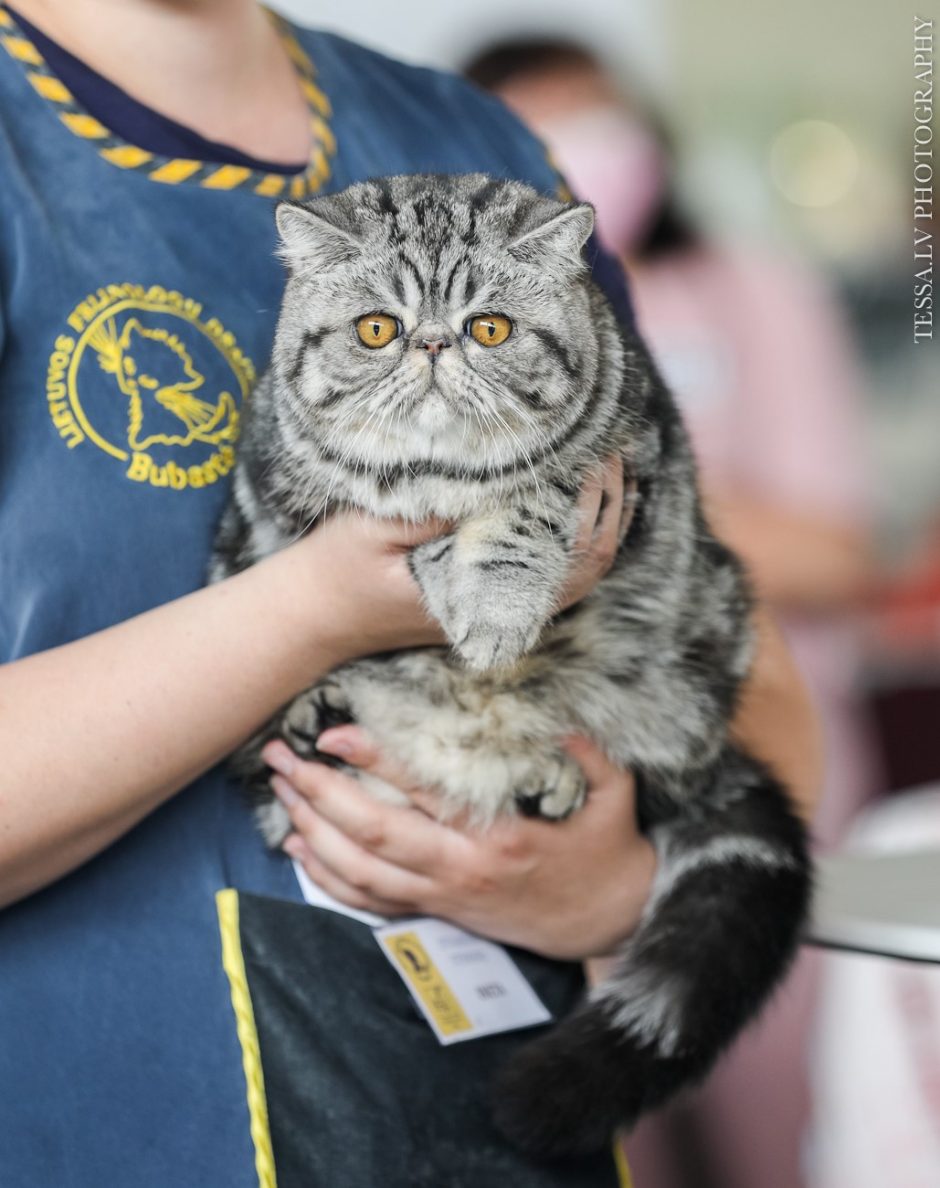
[
  {"x": 798, "y": 560},
  {"x": 792, "y": 496},
  {"x": 97, "y": 733}
]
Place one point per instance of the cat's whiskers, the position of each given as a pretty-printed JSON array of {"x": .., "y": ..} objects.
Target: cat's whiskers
[
  {"x": 526, "y": 459},
  {"x": 337, "y": 470},
  {"x": 494, "y": 416}
]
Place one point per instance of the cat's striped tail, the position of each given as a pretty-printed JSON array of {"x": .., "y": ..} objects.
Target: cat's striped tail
[{"x": 721, "y": 927}]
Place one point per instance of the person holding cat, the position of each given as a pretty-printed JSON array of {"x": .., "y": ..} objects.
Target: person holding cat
[{"x": 141, "y": 147}]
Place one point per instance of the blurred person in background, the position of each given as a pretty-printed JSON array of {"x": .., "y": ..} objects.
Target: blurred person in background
[{"x": 758, "y": 358}]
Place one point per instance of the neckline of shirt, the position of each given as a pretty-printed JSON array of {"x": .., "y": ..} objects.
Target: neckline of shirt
[{"x": 218, "y": 166}]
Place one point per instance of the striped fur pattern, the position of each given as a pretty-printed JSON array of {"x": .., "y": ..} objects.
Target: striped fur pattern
[{"x": 499, "y": 439}]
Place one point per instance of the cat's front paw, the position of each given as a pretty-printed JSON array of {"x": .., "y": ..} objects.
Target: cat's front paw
[
  {"x": 492, "y": 609},
  {"x": 552, "y": 791},
  {"x": 273, "y": 822},
  {"x": 483, "y": 644}
]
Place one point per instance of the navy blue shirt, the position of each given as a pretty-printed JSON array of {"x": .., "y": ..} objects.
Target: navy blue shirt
[{"x": 138, "y": 295}]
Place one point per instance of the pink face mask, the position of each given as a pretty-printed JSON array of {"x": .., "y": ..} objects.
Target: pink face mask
[{"x": 612, "y": 161}]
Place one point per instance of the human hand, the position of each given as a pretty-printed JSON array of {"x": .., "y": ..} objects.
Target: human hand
[
  {"x": 371, "y": 601},
  {"x": 571, "y": 889},
  {"x": 605, "y": 519},
  {"x": 365, "y": 594}
]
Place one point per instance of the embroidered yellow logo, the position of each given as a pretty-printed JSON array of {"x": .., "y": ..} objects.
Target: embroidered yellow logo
[{"x": 153, "y": 383}]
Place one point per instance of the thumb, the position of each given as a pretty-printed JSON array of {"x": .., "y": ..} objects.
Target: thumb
[
  {"x": 602, "y": 775},
  {"x": 401, "y": 534}
]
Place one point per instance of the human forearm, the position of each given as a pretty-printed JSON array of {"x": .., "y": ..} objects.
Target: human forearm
[
  {"x": 97, "y": 733},
  {"x": 798, "y": 562},
  {"x": 776, "y": 721}
]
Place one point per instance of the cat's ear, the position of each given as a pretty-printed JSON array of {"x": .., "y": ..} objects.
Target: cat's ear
[
  {"x": 310, "y": 241},
  {"x": 557, "y": 240}
]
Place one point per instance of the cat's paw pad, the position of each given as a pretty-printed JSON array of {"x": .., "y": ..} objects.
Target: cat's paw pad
[
  {"x": 553, "y": 792},
  {"x": 309, "y": 715}
]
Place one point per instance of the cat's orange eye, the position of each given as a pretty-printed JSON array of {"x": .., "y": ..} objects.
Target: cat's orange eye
[
  {"x": 489, "y": 329},
  {"x": 377, "y": 329}
]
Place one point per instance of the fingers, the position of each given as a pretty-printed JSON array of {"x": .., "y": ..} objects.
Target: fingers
[
  {"x": 606, "y": 537},
  {"x": 402, "y": 535},
  {"x": 354, "y": 746},
  {"x": 298, "y": 849},
  {"x": 350, "y": 863},
  {"x": 600, "y": 773},
  {"x": 393, "y": 833},
  {"x": 396, "y": 535},
  {"x": 589, "y": 506},
  {"x": 596, "y": 546}
]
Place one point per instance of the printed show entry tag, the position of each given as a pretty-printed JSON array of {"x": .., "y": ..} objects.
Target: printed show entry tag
[{"x": 465, "y": 987}]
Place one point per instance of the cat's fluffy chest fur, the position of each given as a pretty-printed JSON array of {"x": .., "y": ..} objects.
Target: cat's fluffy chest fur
[{"x": 442, "y": 351}]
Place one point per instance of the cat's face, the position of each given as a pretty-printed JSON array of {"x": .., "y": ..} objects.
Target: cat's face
[{"x": 435, "y": 318}]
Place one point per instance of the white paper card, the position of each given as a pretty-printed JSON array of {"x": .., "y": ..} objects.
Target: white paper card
[
  {"x": 319, "y": 898},
  {"x": 465, "y": 987}
]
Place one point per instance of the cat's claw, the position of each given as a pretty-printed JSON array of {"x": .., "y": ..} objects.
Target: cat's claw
[{"x": 310, "y": 714}]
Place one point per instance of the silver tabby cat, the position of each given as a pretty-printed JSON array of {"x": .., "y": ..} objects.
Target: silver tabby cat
[{"x": 442, "y": 350}]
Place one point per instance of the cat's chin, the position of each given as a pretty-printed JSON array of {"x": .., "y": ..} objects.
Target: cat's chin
[{"x": 436, "y": 415}]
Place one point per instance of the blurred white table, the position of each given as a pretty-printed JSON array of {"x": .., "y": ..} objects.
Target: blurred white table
[{"x": 887, "y": 904}]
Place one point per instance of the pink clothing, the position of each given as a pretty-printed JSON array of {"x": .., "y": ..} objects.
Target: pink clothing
[{"x": 757, "y": 355}]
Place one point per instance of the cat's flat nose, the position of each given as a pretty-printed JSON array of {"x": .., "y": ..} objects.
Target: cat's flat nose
[{"x": 434, "y": 346}]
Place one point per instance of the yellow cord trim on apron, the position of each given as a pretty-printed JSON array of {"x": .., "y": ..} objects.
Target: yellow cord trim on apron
[
  {"x": 623, "y": 1171},
  {"x": 234, "y": 964}
]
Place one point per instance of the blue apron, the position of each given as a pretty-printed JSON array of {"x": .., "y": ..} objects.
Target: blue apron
[{"x": 138, "y": 297}]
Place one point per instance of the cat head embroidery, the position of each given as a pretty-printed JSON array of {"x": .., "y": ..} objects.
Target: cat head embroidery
[{"x": 155, "y": 371}]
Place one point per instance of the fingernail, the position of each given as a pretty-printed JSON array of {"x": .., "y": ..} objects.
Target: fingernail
[
  {"x": 279, "y": 756},
  {"x": 343, "y": 741},
  {"x": 284, "y": 791}
]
